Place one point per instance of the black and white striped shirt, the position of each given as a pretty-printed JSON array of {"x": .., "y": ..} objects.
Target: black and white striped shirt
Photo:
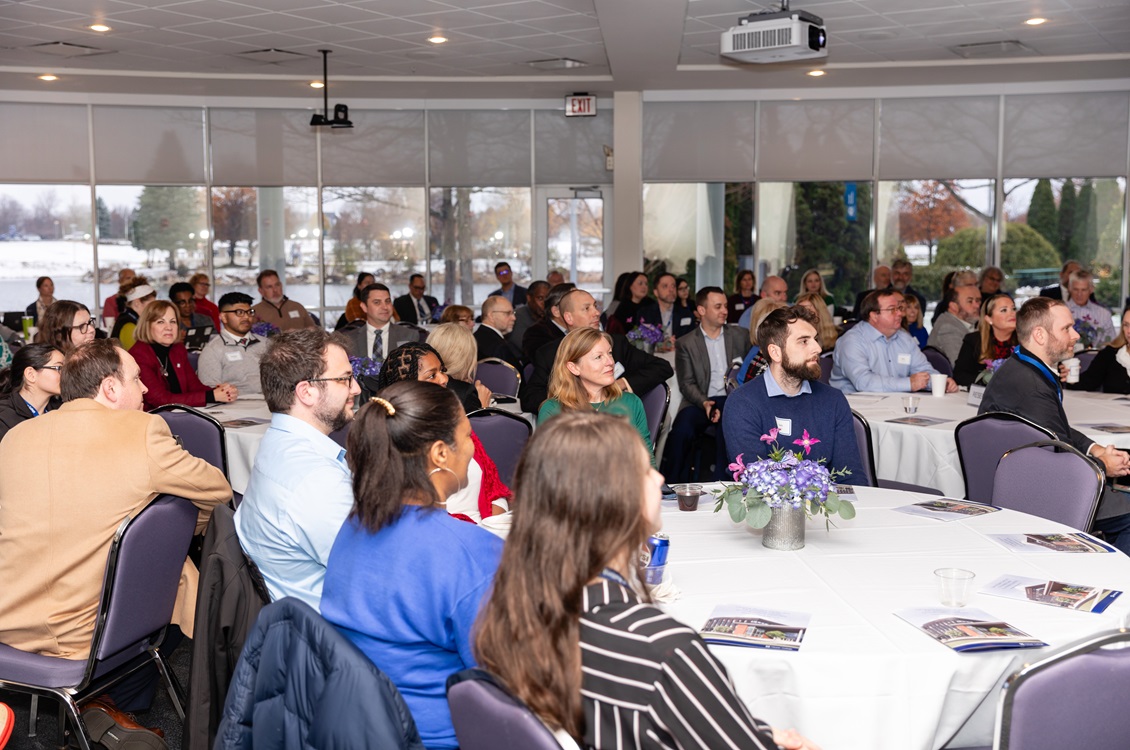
[{"x": 648, "y": 681}]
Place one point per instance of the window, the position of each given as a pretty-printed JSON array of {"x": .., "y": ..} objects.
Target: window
[{"x": 698, "y": 230}]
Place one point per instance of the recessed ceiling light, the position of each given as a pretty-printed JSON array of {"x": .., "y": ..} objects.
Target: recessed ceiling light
[
  {"x": 317, "y": 85},
  {"x": 437, "y": 39},
  {"x": 1036, "y": 21},
  {"x": 99, "y": 27},
  {"x": 815, "y": 73},
  {"x": 48, "y": 77}
]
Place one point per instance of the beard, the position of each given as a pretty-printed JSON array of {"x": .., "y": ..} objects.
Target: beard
[
  {"x": 800, "y": 370},
  {"x": 334, "y": 419},
  {"x": 1060, "y": 349}
]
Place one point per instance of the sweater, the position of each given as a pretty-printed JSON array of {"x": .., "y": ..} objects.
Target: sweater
[{"x": 628, "y": 405}]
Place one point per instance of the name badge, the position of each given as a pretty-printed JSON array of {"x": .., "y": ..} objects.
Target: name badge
[
  {"x": 234, "y": 356},
  {"x": 739, "y": 306},
  {"x": 294, "y": 313},
  {"x": 904, "y": 359},
  {"x": 784, "y": 426},
  {"x": 685, "y": 322}
]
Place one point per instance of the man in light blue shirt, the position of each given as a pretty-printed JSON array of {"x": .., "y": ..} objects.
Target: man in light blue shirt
[
  {"x": 300, "y": 491},
  {"x": 878, "y": 355}
]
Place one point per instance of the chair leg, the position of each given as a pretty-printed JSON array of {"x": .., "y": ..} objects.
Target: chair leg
[
  {"x": 172, "y": 684},
  {"x": 68, "y": 706},
  {"x": 31, "y": 722}
]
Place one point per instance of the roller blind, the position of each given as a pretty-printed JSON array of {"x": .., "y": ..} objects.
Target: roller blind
[
  {"x": 570, "y": 150},
  {"x": 44, "y": 143},
  {"x": 149, "y": 145},
  {"x": 382, "y": 148},
  {"x": 1065, "y": 135},
  {"x": 820, "y": 140},
  {"x": 469, "y": 147},
  {"x": 938, "y": 138},
  {"x": 699, "y": 141},
  {"x": 262, "y": 147}
]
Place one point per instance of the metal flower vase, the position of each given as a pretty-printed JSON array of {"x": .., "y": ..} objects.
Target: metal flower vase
[
  {"x": 785, "y": 530},
  {"x": 645, "y": 346}
]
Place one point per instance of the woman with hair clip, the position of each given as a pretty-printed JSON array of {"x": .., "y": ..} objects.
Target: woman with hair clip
[
  {"x": 67, "y": 325},
  {"x": 584, "y": 377},
  {"x": 405, "y": 580},
  {"x": 597, "y": 660},
  {"x": 30, "y": 386}
]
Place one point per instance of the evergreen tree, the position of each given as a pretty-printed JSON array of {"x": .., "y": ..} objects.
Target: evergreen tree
[
  {"x": 1041, "y": 212},
  {"x": 824, "y": 236},
  {"x": 165, "y": 218},
  {"x": 1085, "y": 235},
  {"x": 1023, "y": 248},
  {"x": 1108, "y": 209},
  {"x": 1067, "y": 246},
  {"x": 103, "y": 214}
]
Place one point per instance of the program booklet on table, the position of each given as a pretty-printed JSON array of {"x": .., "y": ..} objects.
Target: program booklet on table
[
  {"x": 1053, "y": 593},
  {"x": 732, "y": 625},
  {"x": 945, "y": 509},
  {"x": 968, "y": 629},
  {"x": 1075, "y": 542}
]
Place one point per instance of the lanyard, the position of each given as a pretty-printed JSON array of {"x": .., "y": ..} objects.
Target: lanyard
[
  {"x": 34, "y": 411},
  {"x": 1043, "y": 370},
  {"x": 611, "y": 575}
]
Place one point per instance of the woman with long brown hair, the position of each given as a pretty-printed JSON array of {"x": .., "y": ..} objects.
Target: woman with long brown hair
[
  {"x": 596, "y": 659},
  {"x": 67, "y": 325},
  {"x": 994, "y": 339}
]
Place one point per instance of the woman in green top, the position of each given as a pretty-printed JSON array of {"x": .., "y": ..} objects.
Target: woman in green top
[{"x": 583, "y": 377}]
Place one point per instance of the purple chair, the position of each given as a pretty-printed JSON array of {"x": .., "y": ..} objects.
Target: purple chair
[
  {"x": 340, "y": 436},
  {"x": 826, "y": 368},
  {"x": 503, "y": 436},
  {"x": 656, "y": 402},
  {"x": 500, "y": 376},
  {"x": 867, "y": 457},
  {"x": 1086, "y": 681},
  {"x": 938, "y": 360},
  {"x": 143, "y": 571},
  {"x": 982, "y": 440},
  {"x": 421, "y": 333},
  {"x": 486, "y": 716},
  {"x": 1086, "y": 358},
  {"x": 528, "y": 371},
  {"x": 199, "y": 433},
  {"x": 1051, "y": 480}
]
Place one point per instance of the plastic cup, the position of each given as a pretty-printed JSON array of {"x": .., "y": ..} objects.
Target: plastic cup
[
  {"x": 688, "y": 495},
  {"x": 1073, "y": 366},
  {"x": 954, "y": 585},
  {"x": 28, "y": 322},
  {"x": 910, "y": 404},
  {"x": 938, "y": 385}
]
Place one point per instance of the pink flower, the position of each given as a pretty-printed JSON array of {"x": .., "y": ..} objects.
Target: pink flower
[
  {"x": 807, "y": 442},
  {"x": 771, "y": 437},
  {"x": 737, "y": 467}
]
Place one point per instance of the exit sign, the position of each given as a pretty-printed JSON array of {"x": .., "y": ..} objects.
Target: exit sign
[{"x": 580, "y": 106}]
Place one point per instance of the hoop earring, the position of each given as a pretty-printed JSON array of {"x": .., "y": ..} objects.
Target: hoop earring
[{"x": 458, "y": 484}]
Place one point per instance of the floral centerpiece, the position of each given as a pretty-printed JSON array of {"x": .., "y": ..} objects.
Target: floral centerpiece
[
  {"x": 1089, "y": 331},
  {"x": 365, "y": 372},
  {"x": 780, "y": 492},
  {"x": 437, "y": 313},
  {"x": 646, "y": 336},
  {"x": 991, "y": 367},
  {"x": 264, "y": 330}
]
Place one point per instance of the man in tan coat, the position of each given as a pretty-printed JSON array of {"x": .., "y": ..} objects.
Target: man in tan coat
[{"x": 67, "y": 481}]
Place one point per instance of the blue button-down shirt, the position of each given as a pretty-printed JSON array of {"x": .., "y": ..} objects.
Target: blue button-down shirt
[
  {"x": 299, "y": 495},
  {"x": 866, "y": 360}
]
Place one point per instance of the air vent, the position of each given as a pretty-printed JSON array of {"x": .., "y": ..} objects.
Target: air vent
[
  {"x": 271, "y": 55},
  {"x": 765, "y": 39},
  {"x": 988, "y": 50},
  {"x": 557, "y": 63},
  {"x": 66, "y": 49}
]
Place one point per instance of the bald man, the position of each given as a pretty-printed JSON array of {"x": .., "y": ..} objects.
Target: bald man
[
  {"x": 880, "y": 279},
  {"x": 498, "y": 321}
]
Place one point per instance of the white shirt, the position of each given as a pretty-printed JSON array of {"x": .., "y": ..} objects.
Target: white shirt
[
  {"x": 371, "y": 333},
  {"x": 716, "y": 350}
]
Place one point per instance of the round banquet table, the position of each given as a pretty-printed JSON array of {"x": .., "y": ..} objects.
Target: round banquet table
[
  {"x": 927, "y": 455},
  {"x": 863, "y": 677}
]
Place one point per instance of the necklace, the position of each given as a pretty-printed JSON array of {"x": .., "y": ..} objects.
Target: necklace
[{"x": 163, "y": 362}]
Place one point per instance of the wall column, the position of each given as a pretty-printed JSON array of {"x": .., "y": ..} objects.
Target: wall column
[{"x": 627, "y": 185}]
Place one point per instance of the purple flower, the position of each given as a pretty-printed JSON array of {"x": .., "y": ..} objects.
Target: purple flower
[
  {"x": 364, "y": 367},
  {"x": 264, "y": 329},
  {"x": 647, "y": 333}
]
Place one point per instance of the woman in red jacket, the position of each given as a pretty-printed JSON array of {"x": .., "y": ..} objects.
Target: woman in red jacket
[{"x": 165, "y": 369}]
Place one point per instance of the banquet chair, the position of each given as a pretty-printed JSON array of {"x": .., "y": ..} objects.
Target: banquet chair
[
  {"x": 198, "y": 432},
  {"x": 826, "y": 368},
  {"x": 194, "y": 359},
  {"x": 1049, "y": 479},
  {"x": 143, "y": 571},
  {"x": 938, "y": 360},
  {"x": 656, "y": 402},
  {"x": 866, "y": 448},
  {"x": 500, "y": 376},
  {"x": 1086, "y": 358},
  {"x": 503, "y": 436},
  {"x": 421, "y": 333},
  {"x": 340, "y": 436},
  {"x": 486, "y": 716},
  {"x": 982, "y": 440}
]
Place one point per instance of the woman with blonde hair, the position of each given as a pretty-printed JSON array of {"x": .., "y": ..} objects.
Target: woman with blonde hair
[
  {"x": 825, "y": 328},
  {"x": 460, "y": 353},
  {"x": 994, "y": 340},
  {"x": 584, "y": 378},
  {"x": 754, "y": 364},
  {"x": 912, "y": 320},
  {"x": 813, "y": 283},
  {"x": 460, "y": 314}
]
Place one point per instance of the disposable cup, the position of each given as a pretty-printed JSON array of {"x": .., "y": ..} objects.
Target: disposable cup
[
  {"x": 910, "y": 404},
  {"x": 954, "y": 585},
  {"x": 688, "y": 495},
  {"x": 938, "y": 385}
]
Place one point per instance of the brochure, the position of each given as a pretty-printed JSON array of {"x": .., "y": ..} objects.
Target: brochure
[
  {"x": 732, "y": 625},
  {"x": 1117, "y": 429},
  {"x": 968, "y": 629},
  {"x": 245, "y": 422},
  {"x": 845, "y": 491},
  {"x": 1053, "y": 593},
  {"x": 945, "y": 509},
  {"x": 920, "y": 421},
  {"x": 1076, "y": 542}
]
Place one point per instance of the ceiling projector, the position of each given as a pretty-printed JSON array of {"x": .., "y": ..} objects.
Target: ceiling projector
[{"x": 782, "y": 36}]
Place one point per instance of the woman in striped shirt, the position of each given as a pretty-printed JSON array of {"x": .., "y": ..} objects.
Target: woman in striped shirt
[{"x": 565, "y": 629}]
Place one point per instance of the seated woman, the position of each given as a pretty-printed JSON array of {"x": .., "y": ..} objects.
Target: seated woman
[
  {"x": 165, "y": 369},
  {"x": 67, "y": 325},
  {"x": 813, "y": 283},
  {"x": 460, "y": 314},
  {"x": 137, "y": 294},
  {"x": 405, "y": 580},
  {"x": 685, "y": 317},
  {"x": 994, "y": 339},
  {"x": 353, "y": 309},
  {"x": 826, "y": 328},
  {"x": 484, "y": 494},
  {"x": 631, "y": 298},
  {"x": 754, "y": 364},
  {"x": 460, "y": 352},
  {"x": 598, "y": 660},
  {"x": 584, "y": 378},
  {"x": 1110, "y": 369},
  {"x": 30, "y": 385}
]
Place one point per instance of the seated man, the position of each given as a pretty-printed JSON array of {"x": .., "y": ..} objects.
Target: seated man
[
  {"x": 551, "y": 327},
  {"x": 233, "y": 355},
  {"x": 790, "y": 397},
  {"x": 702, "y": 359},
  {"x": 415, "y": 307},
  {"x": 529, "y": 314},
  {"x": 878, "y": 355},
  {"x": 300, "y": 491},
  {"x": 512, "y": 291},
  {"x": 774, "y": 288},
  {"x": 1062, "y": 291},
  {"x": 880, "y": 279},
  {"x": 379, "y": 335},
  {"x": 1028, "y": 385},
  {"x": 1092, "y": 320},
  {"x": 958, "y": 321},
  {"x": 278, "y": 309},
  {"x": 498, "y": 321}
]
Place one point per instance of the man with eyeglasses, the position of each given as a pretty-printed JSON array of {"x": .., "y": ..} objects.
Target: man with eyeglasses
[
  {"x": 415, "y": 307},
  {"x": 300, "y": 491},
  {"x": 498, "y": 321},
  {"x": 232, "y": 356},
  {"x": 878, "y": 355},
  {"x": 510, "y": 290},
  {"x": 530, "y": 313}
]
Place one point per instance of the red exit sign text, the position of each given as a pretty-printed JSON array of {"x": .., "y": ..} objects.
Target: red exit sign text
[{"x": 580, "y": 106}]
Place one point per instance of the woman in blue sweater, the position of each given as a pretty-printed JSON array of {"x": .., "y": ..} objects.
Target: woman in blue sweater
[{"x": 405, "y": 580}]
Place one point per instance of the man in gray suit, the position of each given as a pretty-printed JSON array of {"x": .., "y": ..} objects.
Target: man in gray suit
[
  {"x": 378, "y": 336},
  {"x": 702, "y": 359}
]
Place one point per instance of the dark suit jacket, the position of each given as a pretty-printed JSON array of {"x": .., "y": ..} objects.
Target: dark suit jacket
[
  {"x": 405, "y": 307},
  {"x": 537, "y": 336},
  {"x": 519, "y": 294},
  {"x": 692, "y": 361},
  {"x": 680, "y": 314},
  {"x": 359, "y": 338},
  {"x": 493, "y": 345},
  {"x": 643, "y": 371}
]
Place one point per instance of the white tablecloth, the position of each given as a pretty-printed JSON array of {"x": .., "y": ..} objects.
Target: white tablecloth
[
  {"x": 927, "y": 456},
  {"x": 863, "y": 678}
]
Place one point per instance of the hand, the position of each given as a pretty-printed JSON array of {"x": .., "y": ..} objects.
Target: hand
[
  {"x": 919, "y": 381},
  {"x": 951, "y": 385},
  {"x": 1062, "y": 372},
  {"x": 225, "y": 393},
  {"x": 790, "y": 739},
  {"x": 708, "y": 407},
  {"x": 624, "y": 386},
  {"x": 484, "y": 394},
  {"x": 1116, "y": 462}
]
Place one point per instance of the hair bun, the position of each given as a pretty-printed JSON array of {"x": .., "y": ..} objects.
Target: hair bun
[{"x": 388, "y": 407}]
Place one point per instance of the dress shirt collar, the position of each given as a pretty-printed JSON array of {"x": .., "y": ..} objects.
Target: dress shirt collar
[
  {"x": 772, "y": 388},
  {"x": 230, "y": 339},
  {"x": 319, "y": 441},
  {"x": 383, "y": 329},
  {"x": 501, "y": 335},
  {"x": 560, "y": 327},
  {"x": 871, "y": 332}
]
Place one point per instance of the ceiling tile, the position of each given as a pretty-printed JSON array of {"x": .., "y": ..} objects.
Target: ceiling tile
[
  {"x": 392, "y": 27},
  {"x": 34, "y": 14},
  {"x": 564, "y": 23},
  {"x": 331, "y": 34},
  {"x": 337, "y": 14},
  {"x": 401, "y": 8},
  {"x": 281, "y": 22},
  {"x": 523, "y": 11},
  {"x": 154, "y": 17},
  {"x": 212, "y": 9}
]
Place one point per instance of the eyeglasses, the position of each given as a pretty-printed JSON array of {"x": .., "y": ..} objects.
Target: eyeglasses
[
  {"x": 343, "y": 379},
  {"x": 898, "y": 308},
  {"x": 239, "y": 313},
  {"x": 84, "y": 327},
  {"x": 56, "y": 368}
]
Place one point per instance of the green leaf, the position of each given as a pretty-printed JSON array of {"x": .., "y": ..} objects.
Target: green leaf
[
  {"x": 847, "y": 510},
  {"x": 832, "y": 503},
  {"x": 759, "y": 516},
  {"x": 737, "y": 511}
]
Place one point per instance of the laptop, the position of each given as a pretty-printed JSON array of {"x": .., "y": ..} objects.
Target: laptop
[
  {"x": 196, "y": 338},
  {"x": 14, "y": 320}
]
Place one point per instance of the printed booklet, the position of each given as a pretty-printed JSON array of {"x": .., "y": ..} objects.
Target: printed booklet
[
  {"x": 945, "y": 509},
  {"x": 1053, "y": 593},
  {"x": 244, "y": 422},
  {"x": 732, "y": 625},
  {"x": 968, "y": 629},
  {"x": 920, "y": 421},
  {"x": 1116, "y": 429},
  {"x": 1076, "y": 542}
]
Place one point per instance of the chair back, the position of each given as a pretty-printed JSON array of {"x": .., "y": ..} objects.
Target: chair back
[
  {"x": 503, "y": 436},
  {"x": 340, "y": 436},
  {"x": 199, "y": 433},
  {"x": 486, "y": 716},
  {"x": 656, "y": 402},
  {"x": 421, "y": 332},
  {"x": 826, "y": 368},
  {"x": 1051, "y": 480},
  {"x": 500, "y": 376},
  {"x": 1086, "y": 358},
  {"x": 938, "y": 360},
  {"x": 982, "y": 440},
  {"x": 528, "y": 371},
  {"x": 194, "y": 359},
  {"x": 865, "y": 445},
  {"x": 731, "y": 379},
  {"x": 1086, "y": 681}
]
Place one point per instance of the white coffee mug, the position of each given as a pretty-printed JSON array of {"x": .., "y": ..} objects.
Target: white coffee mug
[{"x": 938, "y": 385}]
